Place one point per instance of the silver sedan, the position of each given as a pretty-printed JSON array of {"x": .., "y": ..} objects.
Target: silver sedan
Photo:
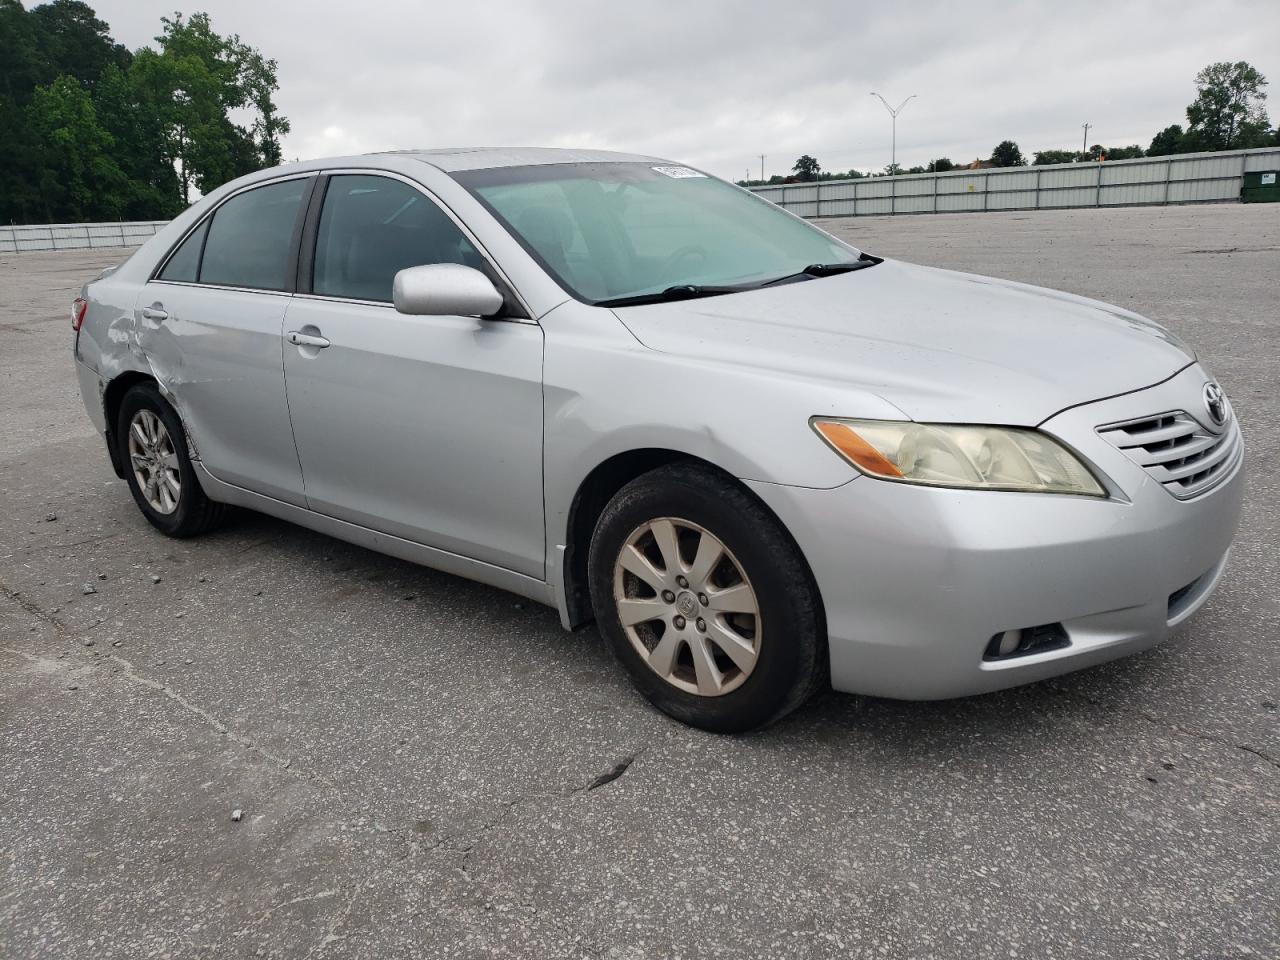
[{"x": 762, "y": 460}]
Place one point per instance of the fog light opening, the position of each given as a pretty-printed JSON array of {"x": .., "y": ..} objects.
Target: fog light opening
[{"x": 1026, "y": 641}]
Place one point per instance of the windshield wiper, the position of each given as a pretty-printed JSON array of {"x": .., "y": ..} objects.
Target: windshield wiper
[
  {"x": 685, "y": 291},
  {"x": 825, "y": 270}
]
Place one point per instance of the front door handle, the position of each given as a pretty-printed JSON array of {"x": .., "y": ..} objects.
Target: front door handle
[
  {"x": 154, "y": 312},
  {"x": 299, "y": 339}
]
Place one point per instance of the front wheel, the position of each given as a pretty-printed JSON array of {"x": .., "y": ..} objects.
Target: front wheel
[
  {"x": 706, "y": 600},
  {"x": 158, "y": 469}
]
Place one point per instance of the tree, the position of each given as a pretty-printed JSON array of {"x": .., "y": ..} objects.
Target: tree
[
  {"x": 20, "y": 73},
  {"x": 142, "y": 131},
  {"x": 1007, "y": 154},
  {"x": 152, "y": 191},
  {"x": 806, "y": 169},
  {"x": 79, "y": 180},
  {"x": 1229, "y": 110},
  {"x": 941, "y": 165},
  {"x": 1170, "y": 140},
  {"x": 192, "y": 85},
  {"x": 73, "y": 41},
  {"x": 1043, "y": 157},
  {"x": 1131, "y": 152}
]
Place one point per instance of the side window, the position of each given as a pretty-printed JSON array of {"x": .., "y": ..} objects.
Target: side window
[
  {"x": 249, "y": 238},
  {"x": 371, "y": 228},
  {"x": 184, "y": 265}
]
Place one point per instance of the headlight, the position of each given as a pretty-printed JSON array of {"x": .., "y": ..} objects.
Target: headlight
[{"x": 983, "y": 458}]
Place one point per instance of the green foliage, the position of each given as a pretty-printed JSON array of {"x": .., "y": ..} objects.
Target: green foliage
[
  {"x": 74, "y": 42},
  {"x": 806, "y": 169},
  {"x": 1007, "y": 154},
  {"x": 89, "y": 131},
  {"x": 1131, "y": 152},
  {"x": 1229, "y": 110},
  {"x": 79, "y": 180},
  {"x": 941, "y": 165},
  {"x": 1168, "y": 141},
  {"x": 1043, "y": 157}
]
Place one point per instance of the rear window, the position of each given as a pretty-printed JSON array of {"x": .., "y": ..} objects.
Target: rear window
[{"x": 250, "y": 236}]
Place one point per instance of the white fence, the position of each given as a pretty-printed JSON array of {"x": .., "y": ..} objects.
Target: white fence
[
  {"x": 77, "y": 236},
  {"x": 1185, "y": 178}
]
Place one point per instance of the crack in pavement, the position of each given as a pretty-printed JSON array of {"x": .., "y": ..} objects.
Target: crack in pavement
[
  {"x": 1169, "y": 726},
  {"x": 35, "y": 609},
  {"x": 619, "y": 769},
  {"x": 509, "y": 805}
]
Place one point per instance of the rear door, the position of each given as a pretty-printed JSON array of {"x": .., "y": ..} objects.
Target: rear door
[
  {"x": 427, "y": 428},
  {"x": 209, "y": 323}
]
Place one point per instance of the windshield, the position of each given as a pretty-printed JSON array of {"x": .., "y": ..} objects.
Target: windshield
[{"x": 615, "y": 231}]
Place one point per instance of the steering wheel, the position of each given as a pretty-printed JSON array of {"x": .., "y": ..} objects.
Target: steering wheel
[{"x": 680, "y": 256}]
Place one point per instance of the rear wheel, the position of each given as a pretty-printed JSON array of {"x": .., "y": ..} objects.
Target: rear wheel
[
  {"x": 706, "y": 600},
  {"x": 158, "y": 468}
]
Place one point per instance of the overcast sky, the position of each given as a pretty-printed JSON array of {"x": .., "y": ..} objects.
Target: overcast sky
[{"x": 715, "y": 83}]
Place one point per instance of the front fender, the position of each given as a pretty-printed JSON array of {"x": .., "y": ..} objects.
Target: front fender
[{"x": 607, "y": 394}]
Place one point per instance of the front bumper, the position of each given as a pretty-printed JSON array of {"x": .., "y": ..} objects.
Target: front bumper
[{"x": 917, "y": 580}]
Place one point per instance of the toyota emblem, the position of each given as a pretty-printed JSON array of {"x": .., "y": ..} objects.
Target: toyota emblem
[{"x": 1215, "y": 401}]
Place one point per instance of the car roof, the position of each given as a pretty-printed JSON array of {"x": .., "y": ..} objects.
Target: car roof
[{"x": 456, "y": 159}]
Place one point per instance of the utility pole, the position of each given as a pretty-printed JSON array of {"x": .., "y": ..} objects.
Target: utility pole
[
  {"x": 893, "y": 112},
  {"x": 1085, "y": 147},
  {"x": 762, "y": 168}
]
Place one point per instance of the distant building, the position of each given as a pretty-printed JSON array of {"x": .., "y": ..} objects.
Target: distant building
[{"x": 978, "y": 165}]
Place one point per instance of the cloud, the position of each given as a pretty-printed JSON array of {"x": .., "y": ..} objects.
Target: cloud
[{"x": 717, "y": 83}]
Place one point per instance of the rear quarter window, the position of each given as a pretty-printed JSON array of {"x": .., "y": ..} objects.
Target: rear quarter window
[{"x": 184, "y": 265}]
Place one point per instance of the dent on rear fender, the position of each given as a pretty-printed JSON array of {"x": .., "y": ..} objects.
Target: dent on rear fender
[{"x": 150, "y": 350}]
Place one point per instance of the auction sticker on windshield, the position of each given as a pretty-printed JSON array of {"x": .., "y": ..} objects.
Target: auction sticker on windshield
[{"x": 679, "y": 173}]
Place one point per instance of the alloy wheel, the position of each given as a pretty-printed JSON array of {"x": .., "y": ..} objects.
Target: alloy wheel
[
  {"x": 154, "y": 461},
  {"x": 687, "y": 606}
]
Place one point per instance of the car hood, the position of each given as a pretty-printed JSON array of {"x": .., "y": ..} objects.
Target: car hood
[{"x": 938, "y": 345}]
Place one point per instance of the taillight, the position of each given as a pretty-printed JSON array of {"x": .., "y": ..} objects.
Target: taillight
[{"x": 79, "y": 306}]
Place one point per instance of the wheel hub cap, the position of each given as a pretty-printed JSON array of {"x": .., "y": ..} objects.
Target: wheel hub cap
[
  {"x": 154, "y": 461},
  {"x": 687, "y": 606}
]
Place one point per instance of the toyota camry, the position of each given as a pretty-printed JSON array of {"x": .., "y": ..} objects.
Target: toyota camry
[{"x": 761, "y": 460}]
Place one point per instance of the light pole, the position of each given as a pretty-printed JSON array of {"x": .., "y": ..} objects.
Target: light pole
[
  {"x": 1084, "y": 147},
  {"x": 893, "y": 112},
  {"x": 762, "y": 156}
]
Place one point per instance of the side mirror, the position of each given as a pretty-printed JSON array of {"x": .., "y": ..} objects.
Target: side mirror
[{"x": 445, "y": 290}]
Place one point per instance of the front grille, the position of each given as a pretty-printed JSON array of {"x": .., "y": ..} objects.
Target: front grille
[{"x": 1186, "y": 457}]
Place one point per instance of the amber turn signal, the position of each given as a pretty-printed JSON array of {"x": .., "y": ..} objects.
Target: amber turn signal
[{"x": 853, "y": 448}]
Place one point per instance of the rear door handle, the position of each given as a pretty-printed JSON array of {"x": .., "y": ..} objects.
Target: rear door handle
[
  {"x": 154, "y": 313},
  {"x": 299, "y": 339}
]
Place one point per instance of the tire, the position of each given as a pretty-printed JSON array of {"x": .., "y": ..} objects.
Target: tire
[
  {"x": 187, "y": 513},
  {"x": 767, "y": 663}
]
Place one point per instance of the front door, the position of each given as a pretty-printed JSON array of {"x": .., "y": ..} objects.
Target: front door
[{"x": 426, "y": 428}]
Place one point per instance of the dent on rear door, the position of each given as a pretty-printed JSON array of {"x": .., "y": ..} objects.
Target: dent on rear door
[{"x": 217, "y": 356}]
